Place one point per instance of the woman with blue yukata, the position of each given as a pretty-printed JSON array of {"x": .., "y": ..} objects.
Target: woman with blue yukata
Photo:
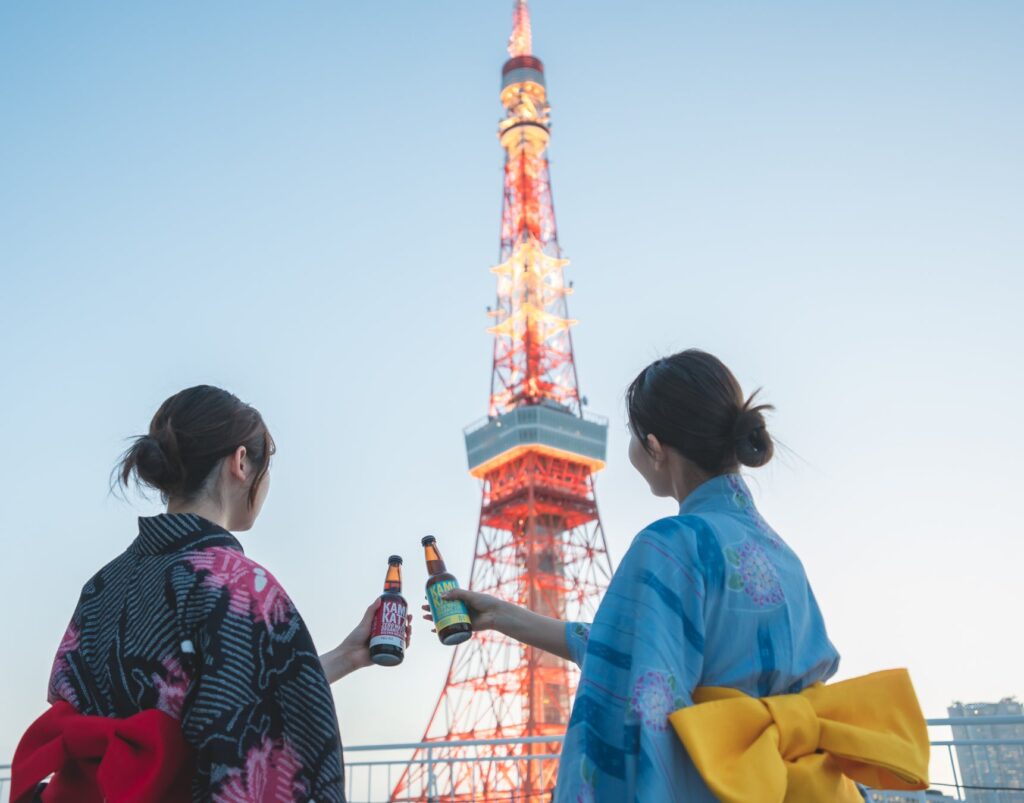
[{"x": 711, "y": 597}]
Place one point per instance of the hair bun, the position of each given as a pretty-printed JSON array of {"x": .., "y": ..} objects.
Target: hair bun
[
  {"x": 754, "y": 446},
  {"x": 154, "y": 465}
]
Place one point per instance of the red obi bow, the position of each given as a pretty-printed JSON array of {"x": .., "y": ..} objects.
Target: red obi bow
[{"x": 142, "y": 759}]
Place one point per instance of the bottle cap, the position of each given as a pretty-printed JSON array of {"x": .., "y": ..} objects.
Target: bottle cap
[
  {"x": 395, "y": 559},
  {"x": 428, "y": 539}
]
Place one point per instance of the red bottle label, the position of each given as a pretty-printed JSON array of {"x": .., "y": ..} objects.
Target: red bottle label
[{"x": 389, "y": 624}]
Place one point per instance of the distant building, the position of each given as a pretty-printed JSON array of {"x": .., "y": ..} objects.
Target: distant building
[{"x": 999, "y": 766}]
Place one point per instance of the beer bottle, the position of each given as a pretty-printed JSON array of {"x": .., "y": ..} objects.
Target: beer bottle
[
  {"x": 387, "y": 633},
  {"x": 451, "y": 617}
]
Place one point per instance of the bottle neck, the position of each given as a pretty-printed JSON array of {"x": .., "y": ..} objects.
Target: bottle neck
[
  {"x": 435, "y": 563},
  {"x": 393, "y": 580}
]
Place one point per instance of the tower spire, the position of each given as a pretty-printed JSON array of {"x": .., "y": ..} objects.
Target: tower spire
[{"x": 520, "y": 43}]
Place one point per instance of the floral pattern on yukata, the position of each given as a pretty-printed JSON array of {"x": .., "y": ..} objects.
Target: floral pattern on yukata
[
  {"x": 754, "y": 573},
  {"x": 654, "y": 698}
]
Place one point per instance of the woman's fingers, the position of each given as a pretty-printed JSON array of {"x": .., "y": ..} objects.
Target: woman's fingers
[
  {"x": 368, "y": 616},
  {"x": 362, "y": 630},
  {"x": 481, "y": 606},
  {"x": 473, "y": 599}
]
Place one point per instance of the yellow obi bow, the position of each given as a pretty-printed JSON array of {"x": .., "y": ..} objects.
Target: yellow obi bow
[{"x": 805, "y": 748}]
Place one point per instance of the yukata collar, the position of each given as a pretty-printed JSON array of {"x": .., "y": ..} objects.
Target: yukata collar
[
  {"x": 177, "y": 532},
  {"x": 713, "y": 493}
]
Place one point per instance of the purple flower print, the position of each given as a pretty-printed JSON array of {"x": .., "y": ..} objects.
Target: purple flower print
[
  {"x": 654, "y": 698},
  {"x": 754, "y": 574},
  {"x": 585, "y": 794}
]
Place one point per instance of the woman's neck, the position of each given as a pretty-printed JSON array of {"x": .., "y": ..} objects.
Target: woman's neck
[
  {"x": 686, "y": 477},
  {"x": 209, "y": 509}
]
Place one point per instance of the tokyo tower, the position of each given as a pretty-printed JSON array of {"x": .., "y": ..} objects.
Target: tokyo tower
[{"x": 540, "y": 542}]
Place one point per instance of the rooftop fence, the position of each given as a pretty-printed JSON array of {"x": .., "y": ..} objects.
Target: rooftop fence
[{"x": 371, "y": 771}]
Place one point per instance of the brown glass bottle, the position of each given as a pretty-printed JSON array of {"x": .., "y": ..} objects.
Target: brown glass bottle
[
  {"x": 387, "y": 633},
  {"x": 451, "y": 617}
]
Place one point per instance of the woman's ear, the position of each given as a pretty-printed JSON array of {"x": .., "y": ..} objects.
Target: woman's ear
[
  {"x": 655, "y": 449},
  {"x": 238, "y": 464}
]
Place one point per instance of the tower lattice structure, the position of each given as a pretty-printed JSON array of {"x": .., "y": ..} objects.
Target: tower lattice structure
[{"x": 540, "y": 543}]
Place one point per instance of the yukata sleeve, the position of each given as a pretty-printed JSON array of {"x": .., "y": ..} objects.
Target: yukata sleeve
[
  {"x": 259, "y": 712},
  {"x": 661, "y": 610},
  {"x": 646, "y": 649},
  {"x": 576, "y": 635}
]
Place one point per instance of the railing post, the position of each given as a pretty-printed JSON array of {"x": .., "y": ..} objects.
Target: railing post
[
  {"x": 952, "y": 766},
  {"x": 431, "y": 780}
]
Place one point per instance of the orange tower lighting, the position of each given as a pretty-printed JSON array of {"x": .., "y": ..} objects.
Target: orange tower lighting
[{"x": 540, "y": 542}]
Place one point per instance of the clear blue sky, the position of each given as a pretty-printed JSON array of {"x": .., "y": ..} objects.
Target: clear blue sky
[{"x": 300, "y": 202}]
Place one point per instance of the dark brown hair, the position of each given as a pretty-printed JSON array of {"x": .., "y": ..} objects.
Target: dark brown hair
[
  {"x": 692, "y": 402},
  {"x": 189, "y": 435}
]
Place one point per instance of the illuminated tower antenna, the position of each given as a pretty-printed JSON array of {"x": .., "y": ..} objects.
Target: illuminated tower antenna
[
  {"x": 520, "y": 43},
  {"x": 540, "y": 542}
]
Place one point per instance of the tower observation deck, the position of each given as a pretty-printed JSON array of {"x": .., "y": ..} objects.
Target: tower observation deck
[{"x": 539, "y": 542}]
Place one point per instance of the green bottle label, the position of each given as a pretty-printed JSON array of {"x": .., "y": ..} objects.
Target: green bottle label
[{"x": 446, "y": 612}]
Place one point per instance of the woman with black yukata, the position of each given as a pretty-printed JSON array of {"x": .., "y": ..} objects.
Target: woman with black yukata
[
  {"x": 184, "y": 623},
  {"x": 711, "y": 605}
]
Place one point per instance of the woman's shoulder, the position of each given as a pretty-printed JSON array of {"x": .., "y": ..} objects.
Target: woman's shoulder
[
  {"x": 224, "y": 563},
  {"x": 690, "y": 543},
  {"x": 687, "y": 535},
  {"x": 672, "y": 539},
  {"x": 216, "y": 575},
  {"x": 112, "y": 574}
]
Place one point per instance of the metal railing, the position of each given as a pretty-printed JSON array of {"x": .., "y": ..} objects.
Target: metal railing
[
  {"x": 374, "y": 779},
  {"x": 371, "y": 771},
  {"x": 371, "y": 781}
]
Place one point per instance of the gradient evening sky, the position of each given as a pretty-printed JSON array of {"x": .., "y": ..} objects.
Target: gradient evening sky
[{"x": 300, "y": 201}]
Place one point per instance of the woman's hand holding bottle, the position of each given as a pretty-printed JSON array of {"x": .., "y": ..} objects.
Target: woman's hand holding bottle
[
  {"x": 485, "y": 612},
  {"x": 354, "y": 652},
  {"x": 491, "y": 613}
]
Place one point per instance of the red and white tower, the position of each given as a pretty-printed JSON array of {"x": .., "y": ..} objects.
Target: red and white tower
[{"x": 540, "y": 541}]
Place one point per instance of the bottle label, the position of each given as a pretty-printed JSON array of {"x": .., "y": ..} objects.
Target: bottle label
[
  {"x": 389, "y": 624},
  {"x": 446, "y": 612}
]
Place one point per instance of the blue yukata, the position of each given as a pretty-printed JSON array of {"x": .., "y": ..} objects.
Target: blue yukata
[{"x": 711, "y": 597}]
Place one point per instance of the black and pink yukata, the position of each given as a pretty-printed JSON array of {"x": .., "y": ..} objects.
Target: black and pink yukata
[{"x": 185, "y": 623}]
